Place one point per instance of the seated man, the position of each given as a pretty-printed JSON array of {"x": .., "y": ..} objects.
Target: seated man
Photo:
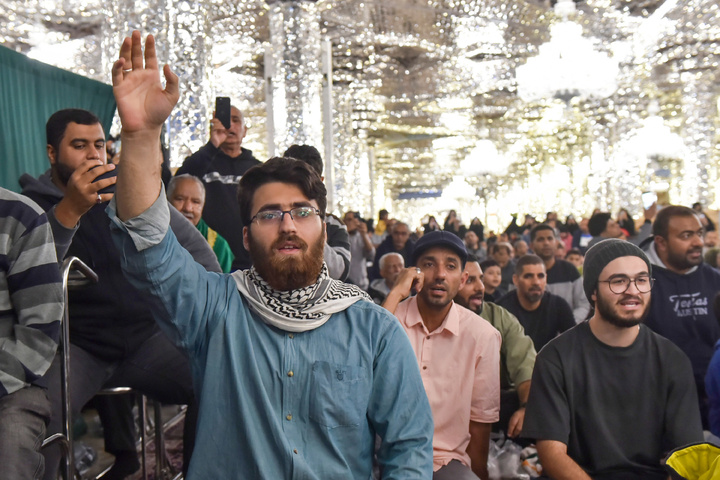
[
  {"x": 114, "y": 340},
  {"x": 542, "y": 314},
  {"x": 458, "y": 354},
  {"x": 610, "y": 397},
  {"x": 391, "y": 264},
  {"x": 31, "y": 309},
  {"x": 298, "y": 373},
  {"x": 187, "y": 194},
  {"x": 517, "y": 354}
]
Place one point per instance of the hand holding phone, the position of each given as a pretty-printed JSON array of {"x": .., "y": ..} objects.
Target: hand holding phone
[
  {"x": 222, "y": 110},
  {"x": 648, "y": 199}
]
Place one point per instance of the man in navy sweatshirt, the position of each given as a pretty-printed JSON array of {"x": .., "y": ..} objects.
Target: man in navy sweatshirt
[{"x": 684, "y": 287}]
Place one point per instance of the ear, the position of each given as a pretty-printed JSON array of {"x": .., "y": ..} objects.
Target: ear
[
  {"x": 52, "y": 154},
  {"x": 594, "y": 297},
  {"x": 515, "y": 279},
  {"x": 246, "y": 238},
  {"x": 463, "y": 279},
  {"x": 660, "y": 243}
]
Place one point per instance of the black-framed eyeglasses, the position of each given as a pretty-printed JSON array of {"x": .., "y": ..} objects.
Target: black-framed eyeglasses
[
  {"x": 299, "y": 215},
  {"x": 621, "y": 284}
]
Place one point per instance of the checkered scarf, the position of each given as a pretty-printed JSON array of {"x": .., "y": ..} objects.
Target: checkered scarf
[{"x": 301, "y": 309}]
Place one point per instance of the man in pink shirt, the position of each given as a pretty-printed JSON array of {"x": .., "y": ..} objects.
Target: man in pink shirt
[{"x": 458, "y": 354}]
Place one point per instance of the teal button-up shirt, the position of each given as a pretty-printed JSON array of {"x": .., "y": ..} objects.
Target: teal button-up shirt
[{"x": 275, "y": 404}]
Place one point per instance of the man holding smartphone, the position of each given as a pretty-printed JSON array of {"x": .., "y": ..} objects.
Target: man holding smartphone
[{"x": 220, "y": 164}]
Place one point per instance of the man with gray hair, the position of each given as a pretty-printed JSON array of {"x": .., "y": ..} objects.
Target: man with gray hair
[
  {"x": 391, "y": 264},
  {"x": 187, "y": 194},
  {"x": 397, "y": 242},
  {"x": 587, "y": 381}
]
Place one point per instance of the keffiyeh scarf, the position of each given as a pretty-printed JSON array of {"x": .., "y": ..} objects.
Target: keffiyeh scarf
[{"x": 297, "y": 310}]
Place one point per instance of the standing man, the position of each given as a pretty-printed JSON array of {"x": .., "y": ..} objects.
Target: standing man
[
  {"x": 297, "y": 373},
  {"x": 361, "y": 250},
  {"x": 31, "y": 310},
  {"x": 458, "y": 354},
  {"x": 187, "y": 194},
  {"x": 517, "y": 354},
  {"x": 682, "y": 306},
  {"x": 220, "y": 164},
  {"x": 542, "y": 314},
  {"x": 610, "y": 397},
  {"x": 563, "y": 278}
]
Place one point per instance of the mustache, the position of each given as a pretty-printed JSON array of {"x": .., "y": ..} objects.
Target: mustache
[{"x": 289, "y": 238}]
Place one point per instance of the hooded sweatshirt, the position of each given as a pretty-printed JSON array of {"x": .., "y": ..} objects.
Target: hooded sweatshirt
[
  {"x": 681, "y": 310},
  {"x": 109, "y": 319}
]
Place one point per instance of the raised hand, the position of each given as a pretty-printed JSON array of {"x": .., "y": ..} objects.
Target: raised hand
[
  {"x": 143, "y": 104},
  {"x": 218, "y": 133}
]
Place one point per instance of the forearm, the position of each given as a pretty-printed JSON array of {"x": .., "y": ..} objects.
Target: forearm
[
  {"x": 478, "y": 448},
  {"x": 523, "y": 391},
  {"x": 138, "y": 184},
  {"x": 392, "y": 300},
  {"x": 556, "y": 462}
]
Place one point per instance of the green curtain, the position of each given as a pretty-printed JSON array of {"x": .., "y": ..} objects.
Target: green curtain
[{"x": 31, "y": 91}]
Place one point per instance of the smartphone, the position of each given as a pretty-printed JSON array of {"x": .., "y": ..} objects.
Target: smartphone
[
  {"x": 110, "y": 174},
  {"x": 648, "y": 198},
  {"x": 222, "y": 110}
]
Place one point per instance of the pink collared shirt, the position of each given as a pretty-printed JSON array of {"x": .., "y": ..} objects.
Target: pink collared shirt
[{"x": 460, "y": 368}]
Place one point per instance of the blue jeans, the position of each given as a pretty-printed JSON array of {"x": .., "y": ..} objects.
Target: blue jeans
[{"x": 24, "y": 416}]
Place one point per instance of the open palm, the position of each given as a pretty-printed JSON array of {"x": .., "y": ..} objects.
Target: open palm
[{"x": 143, "y": 104}]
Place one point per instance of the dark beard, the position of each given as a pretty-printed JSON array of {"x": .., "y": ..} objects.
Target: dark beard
[
  {"x": 603, "y": 307},
  {"x": 288, "y": 273},
  {"x": 62, "y": 172}
]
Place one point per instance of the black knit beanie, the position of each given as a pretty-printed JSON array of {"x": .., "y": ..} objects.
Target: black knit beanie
[{"x": 602, "y": 253}]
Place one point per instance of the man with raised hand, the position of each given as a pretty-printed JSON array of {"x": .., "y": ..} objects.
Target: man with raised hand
[
  {"x": 610, "y": 397},
  {"x": 297, "y": 373}
]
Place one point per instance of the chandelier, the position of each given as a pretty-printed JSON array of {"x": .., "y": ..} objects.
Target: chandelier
[{"x": 567, "y": 66}]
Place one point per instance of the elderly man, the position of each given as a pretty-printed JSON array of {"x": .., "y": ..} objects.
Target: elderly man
[
  {"x": 297, "y": 373},
  {"x": 31, "y": 309},
  {"x": 220, "y": 164},
  {"x": 398, "y": 241},
  {"x": 542, "y": 314},
  {"x": 187, "y": 194},
  {"x": 517, "y": 354},
  {"x": 391, "y": 264},
  {"x": 458, "y": 354},
  {"x": 588, "y": 380}
]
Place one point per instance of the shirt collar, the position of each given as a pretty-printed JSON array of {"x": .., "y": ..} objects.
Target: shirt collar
[{"x": 451, "y": 323}]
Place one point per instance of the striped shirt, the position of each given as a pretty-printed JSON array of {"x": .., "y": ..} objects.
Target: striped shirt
[{"x": 31, "y": 296}]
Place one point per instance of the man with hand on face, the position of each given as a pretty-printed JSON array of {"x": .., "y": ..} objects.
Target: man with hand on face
[
  {"x": 187, "y": 194},
  {"x": 114, "y": 340},
  {"x": 458, "y": 354},
  {"x": 297, "y": 373},
  {"x": 542, "y": 314},
  {"x": 220, "y": 164},
  {"x": 391, "y": 264},
  {"x": 682, "y": 306},
  {"x": 517, "y": 354},
  {"x": 610, "y": 397}
]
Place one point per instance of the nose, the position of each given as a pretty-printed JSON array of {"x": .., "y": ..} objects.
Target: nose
[
  {"x": 186, "y": 206},
  {"x": 94, "y": 152},
  {"x": 286, "y": 223}
]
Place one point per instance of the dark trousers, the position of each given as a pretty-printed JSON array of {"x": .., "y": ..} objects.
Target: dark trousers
[{"x": 157, "y": 369}]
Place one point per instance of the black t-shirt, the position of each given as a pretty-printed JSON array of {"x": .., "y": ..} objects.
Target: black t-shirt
[
  {"x": 619, "y": 410},
  {"x": 551, "y": 318}
]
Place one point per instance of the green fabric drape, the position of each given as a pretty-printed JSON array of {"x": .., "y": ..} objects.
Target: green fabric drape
[{"x": 31, "y": 91}]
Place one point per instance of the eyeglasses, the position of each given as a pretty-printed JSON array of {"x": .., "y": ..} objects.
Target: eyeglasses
[
  {"x": 621, "y": 284},
  {"x": 299, "y": 215}
]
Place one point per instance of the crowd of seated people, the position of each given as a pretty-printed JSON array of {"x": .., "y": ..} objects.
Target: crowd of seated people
[{"x": 331, "y": 344}]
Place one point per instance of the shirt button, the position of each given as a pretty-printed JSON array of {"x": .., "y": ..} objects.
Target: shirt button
[
  {"x": 289, "y": 417},
  {"x": 291, "y": 336},
  {"x": 427, "y": 338},
  {"x": 295, "y": 451},
  {"x": 424, "y": 367},
  {"x": 290, "y": 373}
]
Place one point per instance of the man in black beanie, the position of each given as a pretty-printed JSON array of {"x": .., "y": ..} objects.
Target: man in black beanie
[{"x": 610, "y": 397}]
